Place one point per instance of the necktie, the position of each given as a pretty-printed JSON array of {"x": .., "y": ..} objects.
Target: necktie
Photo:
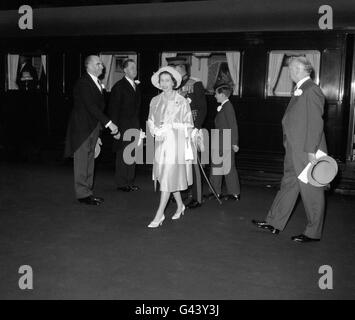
[{"x": 99, "y": 83}]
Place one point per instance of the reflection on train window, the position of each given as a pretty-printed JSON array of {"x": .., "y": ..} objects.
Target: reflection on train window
[
  {"x": 279, "y": 83},
  {"x": 26, "y": 72},
  {"x": 212, "y": 68},
  {"x": 113, "y": 67}
]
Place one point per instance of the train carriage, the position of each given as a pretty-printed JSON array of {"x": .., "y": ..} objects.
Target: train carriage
[{"x": 220, "y": 38}]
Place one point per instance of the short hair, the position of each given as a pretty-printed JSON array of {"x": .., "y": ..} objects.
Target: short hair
[
  {"x": 307, "y": 66},
  {"x": 171, "y": 76},
  {"x": 126, "y": 63},
  {"x": 225, "y": 89}
]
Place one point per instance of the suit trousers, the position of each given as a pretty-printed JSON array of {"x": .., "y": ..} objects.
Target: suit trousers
[
  {"x": 124, "y": 173},
  {"x": 284, "y": 202},
  {"x": 84, "y": 165},
  {"x": 231, "y": 178},
  {"x": 196, "y": 188}
]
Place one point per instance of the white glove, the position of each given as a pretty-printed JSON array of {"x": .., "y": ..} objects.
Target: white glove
[
  {"x": 162, "y": 131},
  {"x": 117, "y": 136},
  {"x": 193, "y": 133},
  {"x": 141, "y": 137}
]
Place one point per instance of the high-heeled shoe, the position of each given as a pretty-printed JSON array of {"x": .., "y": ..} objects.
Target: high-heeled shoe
[
  {"x": 177, "y": 215},
  {"x": 156, "y": 224}
]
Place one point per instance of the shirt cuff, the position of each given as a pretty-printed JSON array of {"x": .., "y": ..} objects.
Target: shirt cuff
[{"x": 108, "y": 123}]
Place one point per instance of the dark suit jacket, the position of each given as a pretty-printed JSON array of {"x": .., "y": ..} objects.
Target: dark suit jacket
[
  {"x": 226, "y": 119},
  {"x": 124, "y": 107},
  {"x": 87, "y": 113},
  {"x": 194, "y": 90},
  {"x": 303, "y": 124}
]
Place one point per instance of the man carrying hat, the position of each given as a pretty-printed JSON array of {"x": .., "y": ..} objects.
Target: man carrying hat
[
  {"x": 192, "y": 89},
  {"x": 303, "y": 136}
]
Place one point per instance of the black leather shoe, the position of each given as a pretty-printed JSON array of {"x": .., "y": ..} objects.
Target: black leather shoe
[
  {"x": 193, "y": 204},
  {"x": 99, "y": 199},
  {"x": 234, "y": 197},
  {"x": 266, "y": 226},
  {"x": 134, "y": 188},
  {"x": 124, "y": 189},
  {"x": 89, "y": 200},
  {"x": 303, "y": 238},
  {"x": 259, "y": 223},
  {"x": 211, "y": 196}
]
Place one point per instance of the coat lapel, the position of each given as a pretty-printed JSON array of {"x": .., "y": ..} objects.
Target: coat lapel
[
  {"x": 92, "y": 83},
  {"x": 129, "y": 85},
  {"x": 305, "y": 85}
]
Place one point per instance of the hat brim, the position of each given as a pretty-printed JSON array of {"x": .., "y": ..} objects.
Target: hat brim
[
  {"x": 312, "y": 169},
  {"x": 176, "y": 61},
  {"x": 172, "y": 71}
]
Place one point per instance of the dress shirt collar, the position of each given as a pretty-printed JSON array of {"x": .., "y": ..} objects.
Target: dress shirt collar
[
  {"x": 224, "y": 102},
  {"x": 95, "y": 79},
  {"x": 131, "y": 82},
  {"x": 302, "y": 81},
  {"x": 219, "y": 108}
]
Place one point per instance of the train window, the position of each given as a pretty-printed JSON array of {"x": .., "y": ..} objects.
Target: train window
[
  {"x": 212, "y": 68},
  {"x": 113, "y": 70},
  {"x": 26, "y": 72},
  {"x": 279, "y": 83}
]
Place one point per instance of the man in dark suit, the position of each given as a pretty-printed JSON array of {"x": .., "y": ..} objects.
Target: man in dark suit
[
  {"x": 124, "y": 107},
  {"x": 192, "y": 89},
  {"x": 86, "y": 120},
  {"x": 226, "y": 121},
  {"x": 303, "y": 136}
]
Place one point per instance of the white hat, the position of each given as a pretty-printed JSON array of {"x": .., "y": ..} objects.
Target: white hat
[
  {"x": 172, "y": 71},
  {"x": 322, "y": 172}
]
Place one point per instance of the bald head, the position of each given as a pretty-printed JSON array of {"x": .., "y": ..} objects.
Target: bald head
[
  {"x": 300, "y": 67},
  {"x": 94, "y": 65}
]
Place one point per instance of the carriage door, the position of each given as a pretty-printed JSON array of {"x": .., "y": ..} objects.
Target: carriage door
[{"x": 350, "y": 154}]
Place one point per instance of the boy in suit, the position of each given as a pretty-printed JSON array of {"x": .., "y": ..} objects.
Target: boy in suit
[{"x": 225, "y": 120}]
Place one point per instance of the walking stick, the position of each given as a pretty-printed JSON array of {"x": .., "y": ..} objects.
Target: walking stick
[{"x": 204, "y": 174}]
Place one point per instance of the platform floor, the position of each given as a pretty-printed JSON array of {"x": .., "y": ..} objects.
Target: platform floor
[{"x": 213, "y": 252}]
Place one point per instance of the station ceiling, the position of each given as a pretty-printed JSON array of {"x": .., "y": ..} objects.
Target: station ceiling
[
  {"x": 36, "y": 4},
  {"x": 180, "y": 17}
]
